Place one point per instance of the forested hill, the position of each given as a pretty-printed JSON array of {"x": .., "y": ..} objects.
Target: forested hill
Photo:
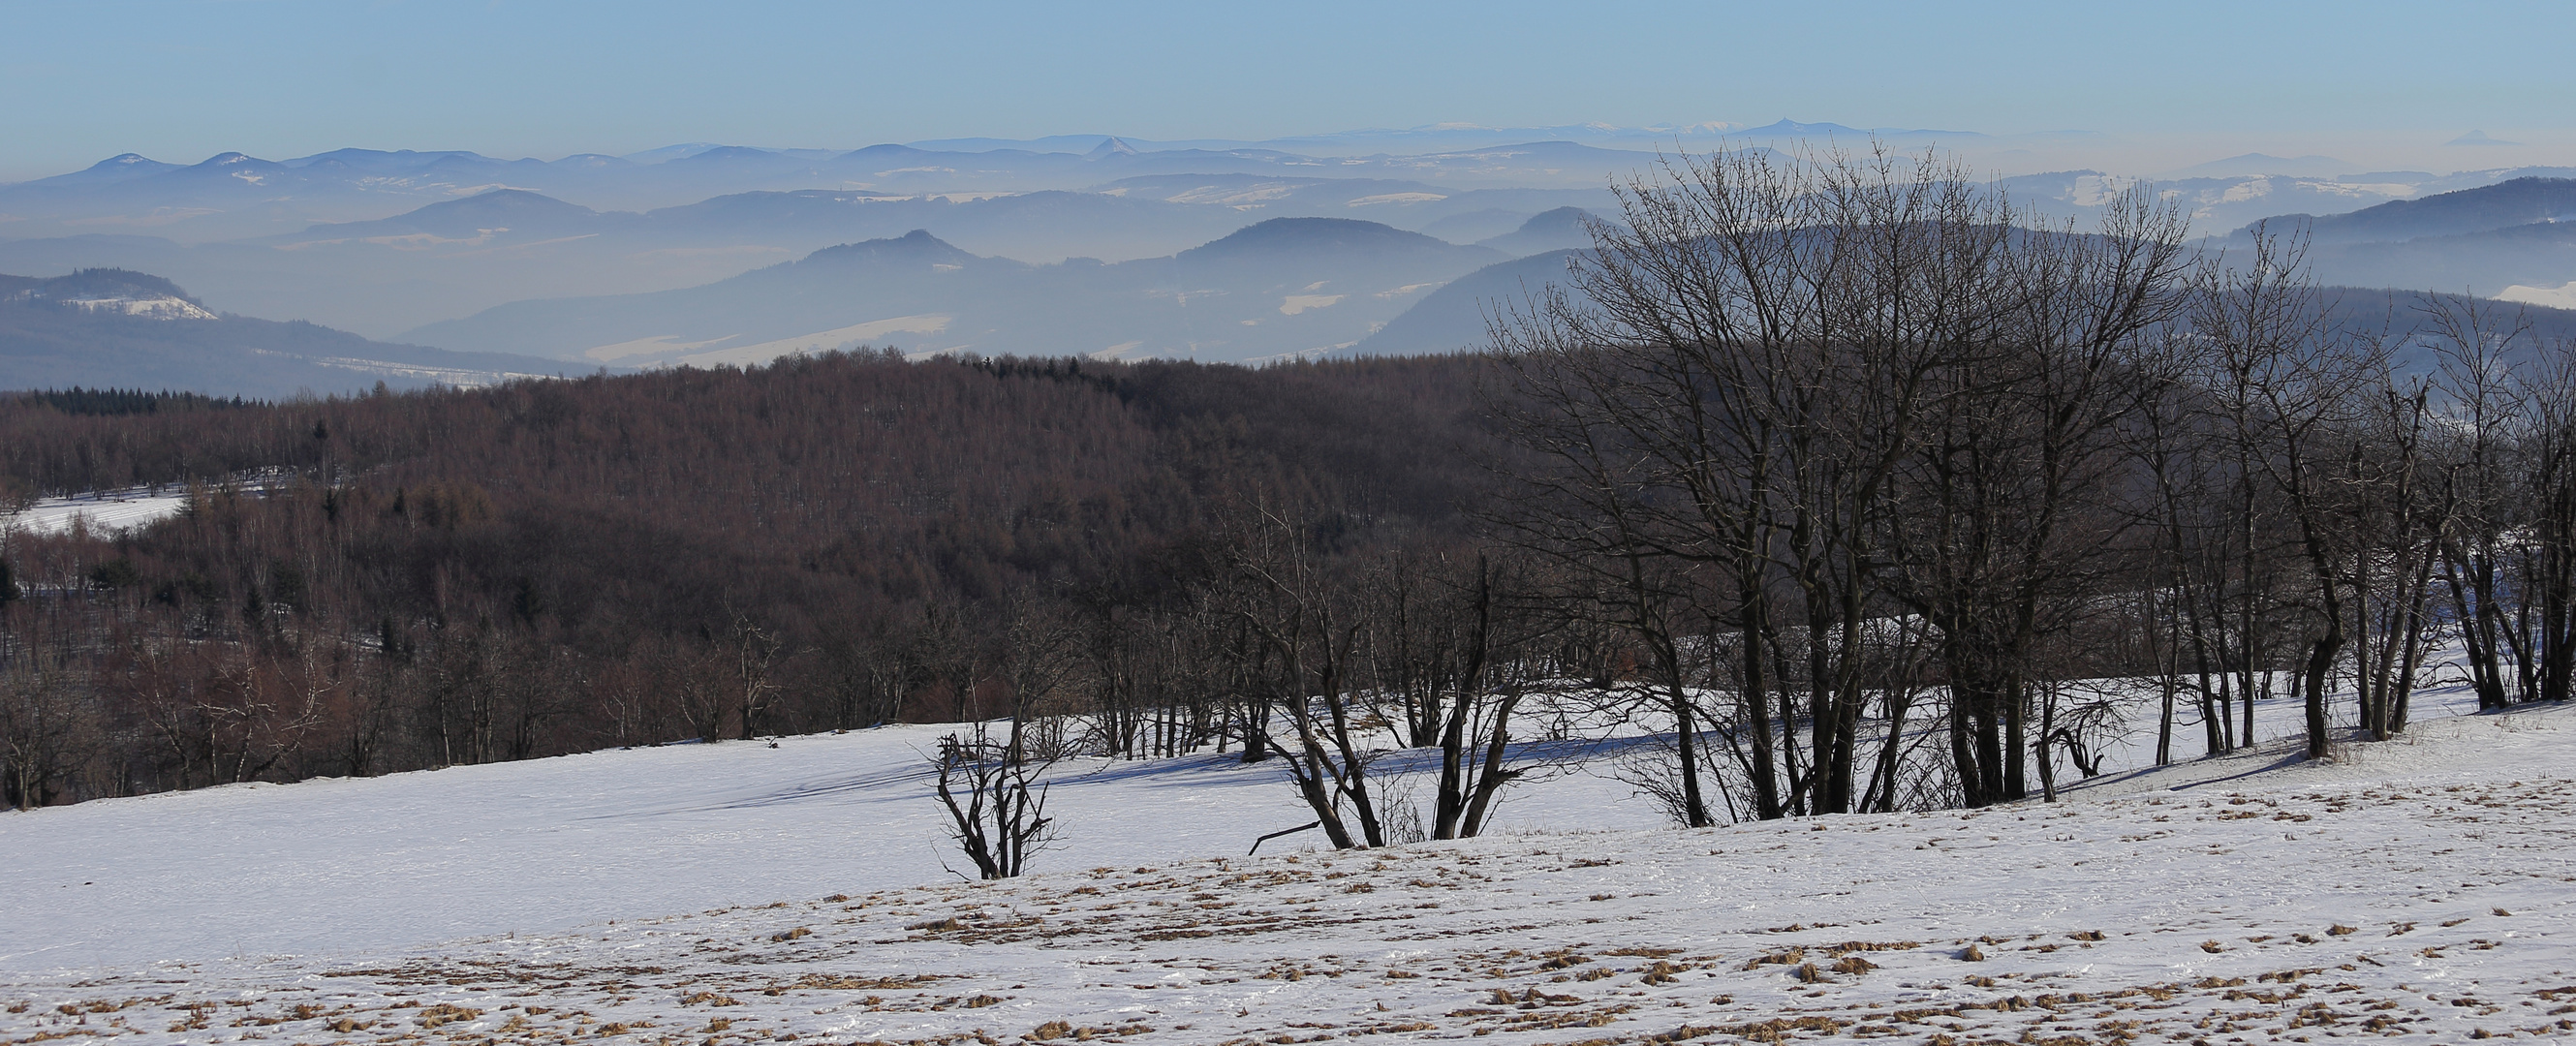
[
  {"x": 108, "y": 327},
  {"x": 555, "y": 566}
]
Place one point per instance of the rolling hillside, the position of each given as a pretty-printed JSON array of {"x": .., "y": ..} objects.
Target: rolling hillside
[
  {"x": 2520, "y": 201},
  {"x": 1279, "y": 288},
  {"x": 111, "y": 328},
  {"x": 751, "y": 891}
]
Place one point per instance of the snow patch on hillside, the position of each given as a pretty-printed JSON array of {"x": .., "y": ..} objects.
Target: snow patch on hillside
[
  {"x": 158, "y": 308},
  {"x": 101, "y": 511},
  {"x": 2562, "y": 296}
]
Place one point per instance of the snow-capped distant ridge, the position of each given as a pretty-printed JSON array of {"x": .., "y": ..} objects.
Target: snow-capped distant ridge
[
  {"x": 149, "y": 308},
  {"x": 112, "y": 291},
  {"x": 125, "y": 165},
  {"x": 116, "y": 328}
]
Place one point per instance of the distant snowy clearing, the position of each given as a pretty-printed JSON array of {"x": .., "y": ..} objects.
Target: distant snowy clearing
[
  {"x": 2562, "y": 296},
  {"x": 2418, "y": 889},
  {"x": 130, "y": 508},
  {"x": 104, "y": 511}
]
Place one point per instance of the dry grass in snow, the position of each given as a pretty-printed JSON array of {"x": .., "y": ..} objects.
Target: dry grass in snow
[{"x": 2419, "y": 891}]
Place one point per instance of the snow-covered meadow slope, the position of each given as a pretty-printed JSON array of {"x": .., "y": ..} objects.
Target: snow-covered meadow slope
[
  {"x": 103, "y": 511},
  {"x": 2418, "y": 889}
]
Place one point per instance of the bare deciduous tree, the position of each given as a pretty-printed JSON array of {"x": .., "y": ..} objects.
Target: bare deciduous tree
[
  {"x": 996, "y": 804},
  {"x": 1777, "y": 380},
  {"x": 2292, "y": 386}
]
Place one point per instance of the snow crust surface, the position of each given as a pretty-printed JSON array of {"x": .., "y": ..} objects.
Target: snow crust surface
[
  {"x": 2418, "y": 890},
  {"x": 104, "y": 511}
]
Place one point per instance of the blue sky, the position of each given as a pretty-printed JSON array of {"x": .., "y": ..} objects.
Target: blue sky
[{"x": 183, "y": 79}]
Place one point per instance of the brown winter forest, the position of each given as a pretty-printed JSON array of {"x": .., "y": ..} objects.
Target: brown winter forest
[
  {"x": 1849, "y": 478},
  {"x": 552, "y": 567}
]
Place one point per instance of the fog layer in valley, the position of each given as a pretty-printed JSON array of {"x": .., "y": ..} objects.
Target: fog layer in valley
[{"x": 1078, "y": 245}]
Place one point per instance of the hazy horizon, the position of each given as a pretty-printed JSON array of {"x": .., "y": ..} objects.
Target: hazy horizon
[
  {"x": 1998, "y": 154},
  {"x": 2376, "y": 86}
]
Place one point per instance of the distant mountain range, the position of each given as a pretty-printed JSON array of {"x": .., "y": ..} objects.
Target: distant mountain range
[
  {"x": 1455, "y": 317},
  {"x": 2515, "y": 239},
  {"x": 459, "y": 256},
  {"x": 449, "y": 257},
  {"x": 1280, "y": 288},
  {"x": 1373, "y": 241},
  {"x": 1417, "y": 298},
  {"x": 2520, "y": 201},
  {"x": 2533, "y": 263},
  {"x": 2218, "y": 206},
  {"x": 234, "y": 196},
  {"x": 1455, "y": 136},
  {"x": 116, "y": 329}
]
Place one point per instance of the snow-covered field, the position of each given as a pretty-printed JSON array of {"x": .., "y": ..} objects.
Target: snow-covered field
[
  {"x": 104, "y": 511},
  {"x": 737, "y": 892}
]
